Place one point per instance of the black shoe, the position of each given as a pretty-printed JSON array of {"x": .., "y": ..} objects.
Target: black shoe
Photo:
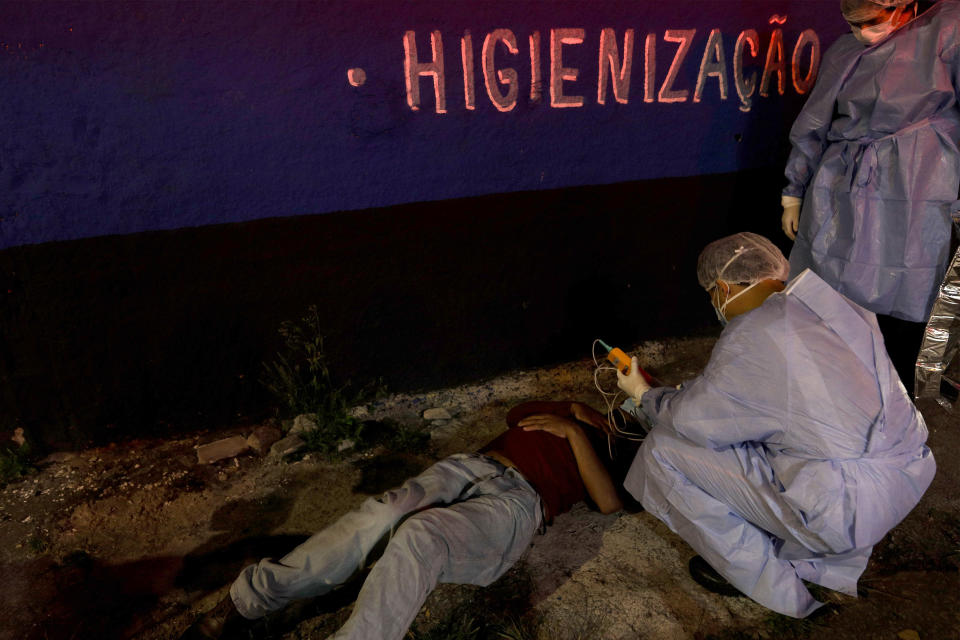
[
  {"x": 824, "y": 614},
  {"x": 708, "y": 578},
  {"x": 223, "y": 622}
]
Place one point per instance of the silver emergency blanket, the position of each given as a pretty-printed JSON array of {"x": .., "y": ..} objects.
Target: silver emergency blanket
[
  {"x": 938, "y": 367},
  {"x": 875, "y": 160},
  {"x": 793, "y": 453}
]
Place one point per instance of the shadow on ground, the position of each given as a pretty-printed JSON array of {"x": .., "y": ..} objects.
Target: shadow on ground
[
  {"x": 243, "y": 537},
  {"x": 82, "y": 597}
]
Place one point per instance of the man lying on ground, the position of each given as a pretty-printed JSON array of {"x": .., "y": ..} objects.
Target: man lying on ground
[
  {"x": 796, "y": 450},
  {"x": 466, "y": 519}
]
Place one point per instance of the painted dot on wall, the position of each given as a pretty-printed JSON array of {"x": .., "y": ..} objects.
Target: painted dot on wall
[{"x": 356, "y": 76}]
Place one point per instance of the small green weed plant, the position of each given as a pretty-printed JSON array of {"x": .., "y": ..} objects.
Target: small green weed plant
[
  {"x": 300, "y": 378},
  {"x": 14, "y": 463},
  {"x": 38, "y": 544},
  {"x": 332, "y": 429},
  {"x": 408, "y": 438}
]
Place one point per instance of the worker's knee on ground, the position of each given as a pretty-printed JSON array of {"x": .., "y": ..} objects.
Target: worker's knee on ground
[{"x": 647, "y": 480}]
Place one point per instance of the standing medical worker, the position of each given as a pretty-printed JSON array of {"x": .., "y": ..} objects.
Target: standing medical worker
[
  {"x": 796, "y": 450},
  {"x": 874, "y": 171}
]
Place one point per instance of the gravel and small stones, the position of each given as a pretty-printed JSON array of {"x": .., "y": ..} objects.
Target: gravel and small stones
[
  {"x": 287, "y": 446},
  {"x": 263, "y": 438},
  {"x": 437, "y": 413},
  {"x": 221, "y": 449},
  {"x": 360, "y": 412},
  {"x": 302, "y": 424}
]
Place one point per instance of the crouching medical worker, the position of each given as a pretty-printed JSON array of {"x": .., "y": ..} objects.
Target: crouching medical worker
[
  {"x": 796, "y": 450},
  {"x": 874, "y": 170}
]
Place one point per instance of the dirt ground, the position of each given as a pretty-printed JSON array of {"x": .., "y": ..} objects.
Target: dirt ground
[{"x": 134, "y": 539}]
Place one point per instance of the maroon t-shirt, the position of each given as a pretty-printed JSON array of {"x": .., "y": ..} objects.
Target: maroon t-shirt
[{"x": 547, "y": 461}]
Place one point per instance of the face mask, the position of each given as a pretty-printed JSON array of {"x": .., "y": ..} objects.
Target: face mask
[
  {"x": 877, "y": 32},
  {"x": 721, "y": 312},
  {"x": 869, "y": 35},
  {"x": 720, "y": 317}
]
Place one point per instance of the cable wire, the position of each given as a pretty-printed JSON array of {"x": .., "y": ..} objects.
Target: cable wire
[{"x": 611, "y": 401}]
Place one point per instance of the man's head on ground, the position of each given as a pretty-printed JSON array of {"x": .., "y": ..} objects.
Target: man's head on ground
[{"x": 739, "y": 272}]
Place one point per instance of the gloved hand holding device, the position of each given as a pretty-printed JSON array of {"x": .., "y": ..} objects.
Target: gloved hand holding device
[{"x": 634, "y": 383}]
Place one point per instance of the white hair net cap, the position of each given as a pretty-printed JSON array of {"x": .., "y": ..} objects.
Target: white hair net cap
[
  {"x": 743, "y": 258},
  {"x": 861, "y": 10}
]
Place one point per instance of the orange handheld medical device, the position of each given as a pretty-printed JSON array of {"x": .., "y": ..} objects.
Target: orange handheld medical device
[
  {"x": 621, "y": 361},
  {"x": 617, "y": 357}
]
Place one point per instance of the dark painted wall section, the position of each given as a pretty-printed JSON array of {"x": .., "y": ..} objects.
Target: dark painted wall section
[{"x": 121, "y": 335}]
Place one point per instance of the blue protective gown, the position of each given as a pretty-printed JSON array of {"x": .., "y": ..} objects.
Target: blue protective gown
[
  {"x": 875, "y": 160},
  {"x": 792, "y": 454}
]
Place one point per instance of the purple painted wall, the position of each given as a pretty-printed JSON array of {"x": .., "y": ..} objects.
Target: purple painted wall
[{"x": 120, "y": 117}]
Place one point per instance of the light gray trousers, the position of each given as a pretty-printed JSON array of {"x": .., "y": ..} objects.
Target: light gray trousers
[{"x": 466, "y": 519}]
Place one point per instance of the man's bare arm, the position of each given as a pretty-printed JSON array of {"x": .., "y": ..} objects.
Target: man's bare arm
[
  {"x": 533, "y": 407},
  {"x": 567, "y": 409}
]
